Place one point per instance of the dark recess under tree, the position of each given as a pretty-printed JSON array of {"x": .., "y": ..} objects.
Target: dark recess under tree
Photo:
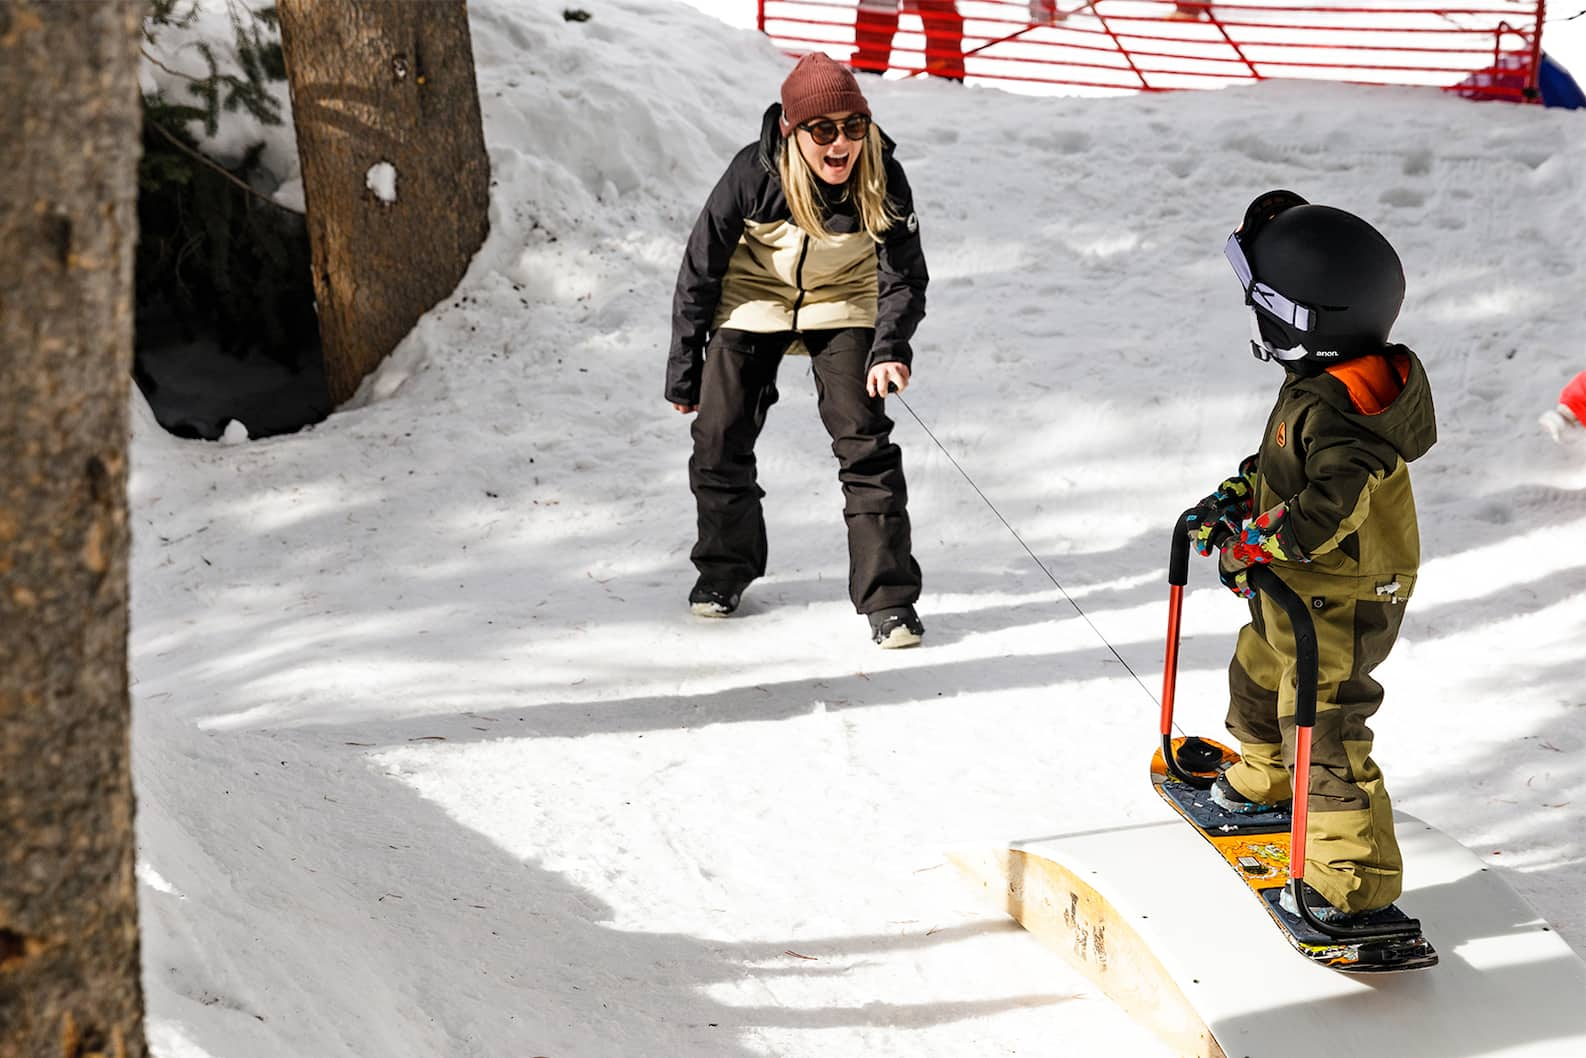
[{"x": 226, "y": 327}]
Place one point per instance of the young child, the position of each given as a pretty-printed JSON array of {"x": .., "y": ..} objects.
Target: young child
[
  {"x": 1566, "y": 421},
  {"x": 1326, "y": 502}
]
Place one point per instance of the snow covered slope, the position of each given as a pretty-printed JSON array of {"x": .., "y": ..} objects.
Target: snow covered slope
[{"x": 432, "y": 759}]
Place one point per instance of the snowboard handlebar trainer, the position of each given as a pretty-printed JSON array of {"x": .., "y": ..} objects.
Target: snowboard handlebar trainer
[
  {"x": 1264, "y": 580},
  {"x": 1177, "y": 577}
]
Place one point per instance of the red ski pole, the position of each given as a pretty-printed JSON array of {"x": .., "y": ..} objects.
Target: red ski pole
[{"x": 1177, "y": 577}]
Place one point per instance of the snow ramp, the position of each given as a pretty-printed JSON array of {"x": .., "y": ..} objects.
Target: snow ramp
[{"x": 1158, "y": 923}]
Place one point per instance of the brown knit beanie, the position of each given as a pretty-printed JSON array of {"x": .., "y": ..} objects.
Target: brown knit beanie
[{"x": 819, "y": 86}]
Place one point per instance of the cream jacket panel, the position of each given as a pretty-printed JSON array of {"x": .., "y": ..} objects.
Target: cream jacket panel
[{"x": 781, "y": 279}]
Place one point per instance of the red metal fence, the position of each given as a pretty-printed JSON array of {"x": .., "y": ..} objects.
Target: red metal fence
[{"x": 1488, "y": 49}]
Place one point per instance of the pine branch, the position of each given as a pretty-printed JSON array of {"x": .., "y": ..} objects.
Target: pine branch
[
  {"x": 174, "y": 73},
  {"x": 198, "y": 156}
]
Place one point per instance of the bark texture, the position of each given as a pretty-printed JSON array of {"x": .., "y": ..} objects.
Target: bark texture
[
  {"x": 376, "y": 82},
  {"x": 69, "y": 134}
]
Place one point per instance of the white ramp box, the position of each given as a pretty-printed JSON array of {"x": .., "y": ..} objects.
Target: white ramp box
[{"x": 1162, "y": 925}]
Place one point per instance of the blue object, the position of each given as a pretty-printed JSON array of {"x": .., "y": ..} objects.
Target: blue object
[{"x": 1558, "y": 88}]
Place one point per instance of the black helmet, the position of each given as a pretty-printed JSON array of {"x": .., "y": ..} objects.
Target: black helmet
[{"x": 1322, "y": 284}]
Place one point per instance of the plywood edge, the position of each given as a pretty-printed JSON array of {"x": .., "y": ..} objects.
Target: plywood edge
[{"x": 1081, "y": 925}]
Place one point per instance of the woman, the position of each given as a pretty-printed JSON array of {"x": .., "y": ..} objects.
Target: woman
[{"x": 808, "y": 239}]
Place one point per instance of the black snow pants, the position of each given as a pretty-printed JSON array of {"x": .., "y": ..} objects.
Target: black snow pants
[{"x": 737, "y": 390}]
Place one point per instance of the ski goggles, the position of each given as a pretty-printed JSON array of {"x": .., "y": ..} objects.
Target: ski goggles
[
  {"x": 824, "y": 130},
  {"x": 1284, "y": 309}
]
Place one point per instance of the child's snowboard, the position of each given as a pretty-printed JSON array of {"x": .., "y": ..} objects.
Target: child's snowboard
[{"x": 1256, "y": 846}]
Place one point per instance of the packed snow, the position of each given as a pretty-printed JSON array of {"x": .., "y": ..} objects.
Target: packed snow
[{"x": 432, "y": 758}]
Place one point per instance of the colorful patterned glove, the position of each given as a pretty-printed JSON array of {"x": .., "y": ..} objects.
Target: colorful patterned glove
[
  {"x": 1235, "y": 578},
  {"x": 1268, "y": 536},
  {"x": 1219, "y": 516}
]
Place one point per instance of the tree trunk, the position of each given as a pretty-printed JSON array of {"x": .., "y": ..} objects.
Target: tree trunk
[
  {"x": 69, "y": 120},
  {"x": 395, "y": 175}
]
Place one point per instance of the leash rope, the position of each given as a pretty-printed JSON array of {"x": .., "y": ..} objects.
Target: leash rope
[{"x": 1027, "y": 549}]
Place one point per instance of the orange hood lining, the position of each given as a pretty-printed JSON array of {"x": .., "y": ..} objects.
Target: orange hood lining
[{"x": 1373, "y": 382}]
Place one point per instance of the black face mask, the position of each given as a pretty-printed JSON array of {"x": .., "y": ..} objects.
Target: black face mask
[{"x": 1276, "y": 333}]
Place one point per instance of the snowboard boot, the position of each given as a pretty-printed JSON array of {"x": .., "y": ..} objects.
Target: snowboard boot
[
  {"x": 1321, "y": 908},
  {"x": 710, "y": 600},
  {"x": 896, "y": 627},
  {"x": 1231, "y": 800}
]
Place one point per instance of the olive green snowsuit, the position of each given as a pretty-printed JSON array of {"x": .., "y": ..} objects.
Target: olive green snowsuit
[{"x": 1335, "y": 450}]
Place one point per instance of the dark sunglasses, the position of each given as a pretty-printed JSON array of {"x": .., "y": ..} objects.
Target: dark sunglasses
[{"x": 824, "y": 130}]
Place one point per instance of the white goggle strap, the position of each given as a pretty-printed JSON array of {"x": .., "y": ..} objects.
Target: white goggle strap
[
  {"x": 1298, "y": 316},
  {"x": 1258, "y": 341}
]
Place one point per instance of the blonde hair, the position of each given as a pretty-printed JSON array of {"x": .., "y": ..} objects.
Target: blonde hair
[{"x": 867, "y": 184}]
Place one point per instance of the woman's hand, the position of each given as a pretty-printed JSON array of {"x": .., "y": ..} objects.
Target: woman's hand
[
  {"x": 685, "y": 409},
  {"x": 890, "y": 377}
]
